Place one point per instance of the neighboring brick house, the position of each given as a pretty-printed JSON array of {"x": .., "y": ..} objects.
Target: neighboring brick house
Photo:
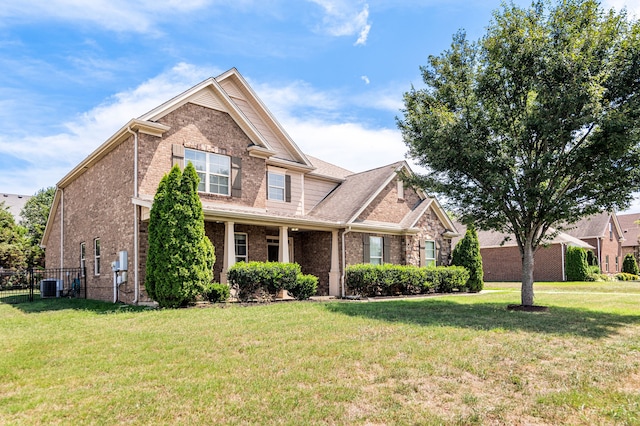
[
  {"x": 263, "y": 199},
  {"x": 501, "y": 259},
  {"x": 604, "y": 233},
  {"x": 630, "y": 232}
]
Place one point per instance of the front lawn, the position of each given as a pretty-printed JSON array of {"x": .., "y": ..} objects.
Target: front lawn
[{"x": 455, "y": 359}]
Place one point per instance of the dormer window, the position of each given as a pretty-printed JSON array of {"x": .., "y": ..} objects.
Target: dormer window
[
  {"x": 213, "y": 169},
  {"x": 278, "y": 186}
]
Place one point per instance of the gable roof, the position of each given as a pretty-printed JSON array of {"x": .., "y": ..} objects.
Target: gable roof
[
  {"x": 14, "y": 203},
  {"x": 594, "y": 226},
  {"x": 230, "y": 93},
  {"x": 630, "y": 228},
  {"x": 354, "y": 194}
]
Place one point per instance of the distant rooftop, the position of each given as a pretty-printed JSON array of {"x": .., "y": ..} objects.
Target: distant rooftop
[{"x": 15, "y": 203}]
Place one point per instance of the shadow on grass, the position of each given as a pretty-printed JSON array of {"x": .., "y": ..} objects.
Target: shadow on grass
[
  {"x": 60, "y": 304},
  {"x": 490, "y": 316}
]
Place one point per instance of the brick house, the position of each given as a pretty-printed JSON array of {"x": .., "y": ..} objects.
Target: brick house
[
  {"x": 631, "y": 233},
  {"x": 263, "y": 198},
  {"x": 501, "y": 260},
  {"x": 604, "y": 233}
]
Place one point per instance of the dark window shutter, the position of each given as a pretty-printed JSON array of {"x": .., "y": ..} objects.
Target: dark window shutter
[
  {"x": 236, "y": 177},
  {"x": 386, "y": 250},
  {"x": 178, "y": 155},
  {"x": 366, "y": 253},
  {"x": 287, "y": 188}
]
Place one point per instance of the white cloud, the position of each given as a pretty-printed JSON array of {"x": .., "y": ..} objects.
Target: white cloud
[
  {"x": 314, "y": 119},
  {"x": 344, "y": 18},
  {"x": 365, "y": 79},
  {"x": 140, "y": 16},
  {"x": 633, "y": 6},
  {"x": 48, "y": 158}
]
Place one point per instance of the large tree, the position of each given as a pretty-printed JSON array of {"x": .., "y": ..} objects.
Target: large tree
[
  {"x": 34, "y": 218},
  {"x": 534, "y": 125},
  {"x": 13, "y": 241}
]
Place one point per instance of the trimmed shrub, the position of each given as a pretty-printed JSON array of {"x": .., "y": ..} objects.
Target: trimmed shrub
[
  {"x": 629, "y": 264},
  {"x": 251, "y": 279},
  {"x": 577, "y": 268},
  {"x": 392, "y": 280},
  {"x": 305, "y": 287},
  {"x": 180, "y": 257},
  {"x": 624, "y": 276},
  {"x": 467, "y": 253},
  {"x": 217, "y": 292}
]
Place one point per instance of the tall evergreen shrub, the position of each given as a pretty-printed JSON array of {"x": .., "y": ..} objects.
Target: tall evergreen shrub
[
  {"x": 629, "y": 264},
  {"x": 181, "y": 257},
  {"x": 577, "y": 268},
  {"x": 467, "y": 253}
]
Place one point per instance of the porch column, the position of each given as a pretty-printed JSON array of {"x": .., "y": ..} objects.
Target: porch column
[
  {"x": 229, "y": 250},
  {"x": 334, "y": 272},
  {"x": 283, "y": 246}
]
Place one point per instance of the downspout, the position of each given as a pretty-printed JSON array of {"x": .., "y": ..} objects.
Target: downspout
[
  {"x": 61, "y": 228},
  {"x": 564, "y": 278},
  {"x": 136, "y": 282},
  {"x": 344, "y": 262}
]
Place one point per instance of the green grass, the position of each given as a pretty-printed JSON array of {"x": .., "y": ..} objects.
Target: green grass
[{"x": 442, "y": 360}]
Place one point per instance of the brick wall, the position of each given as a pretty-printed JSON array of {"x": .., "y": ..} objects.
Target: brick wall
[
  {"x": 98, "y": 205},
  {"x": 204, "y": 129},
  {"x": 505, "y": 264},
  {"x": 387, "y": 207},
  {"x": 431, "y": 228}
]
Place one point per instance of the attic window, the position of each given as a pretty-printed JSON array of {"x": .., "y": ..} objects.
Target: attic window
[{"x": 400, "y": 189}]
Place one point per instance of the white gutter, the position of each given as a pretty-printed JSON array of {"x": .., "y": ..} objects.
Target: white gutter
[
  {"x": 344, "y": 262},
  {"x": 136, "y": 282},
  {"x": 61, "y": 228},
  {"x": 564, "y": 278}
]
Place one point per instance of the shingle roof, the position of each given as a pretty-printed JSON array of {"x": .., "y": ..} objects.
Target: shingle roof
[
  {"x": 15, "y": 203},
  {"x": 489, "y": 239},
  {"x": 590, "y": 227},
  {"x": 327, "y": 169},
  {"x": 353, "y": 193},
  {"x": 630, "y": 229}
]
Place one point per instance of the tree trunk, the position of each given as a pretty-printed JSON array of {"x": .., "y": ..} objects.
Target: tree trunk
[{"x": 526, "y": 294}]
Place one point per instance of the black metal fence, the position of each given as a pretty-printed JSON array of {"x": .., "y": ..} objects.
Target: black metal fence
[{"x": 25, "y": 285}]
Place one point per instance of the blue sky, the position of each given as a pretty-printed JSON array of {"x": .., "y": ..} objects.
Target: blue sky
[{"x": 332, "y": 71}]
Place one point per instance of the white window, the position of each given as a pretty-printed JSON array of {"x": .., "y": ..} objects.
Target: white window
[
  {"x": 213, "y": 169},
  {"x": 375, "y": 250},
  {"x": 400, "y": 189},
  {"x": 276, "y": 182},
  {"x": 83, "y": 256},
  {"x": 430, "y": 253},
  {"x": 96, "y": 256},
  {"x": 241, "y": 247}
]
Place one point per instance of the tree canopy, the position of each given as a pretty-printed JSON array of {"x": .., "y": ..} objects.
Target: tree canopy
[
  {"x": 535, "y": 124},
  {"x": 13, "y": 241},
  {"x": 35, "y": 214}
]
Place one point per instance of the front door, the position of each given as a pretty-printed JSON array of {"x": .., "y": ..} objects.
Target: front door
[{"x": 273, "y": 246}]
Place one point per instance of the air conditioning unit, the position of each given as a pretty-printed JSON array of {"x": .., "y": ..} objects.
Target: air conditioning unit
[{"x": 51, "y": 287}]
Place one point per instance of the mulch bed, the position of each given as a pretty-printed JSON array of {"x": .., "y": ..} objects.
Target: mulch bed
[{"x": 525, "y": 308}]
